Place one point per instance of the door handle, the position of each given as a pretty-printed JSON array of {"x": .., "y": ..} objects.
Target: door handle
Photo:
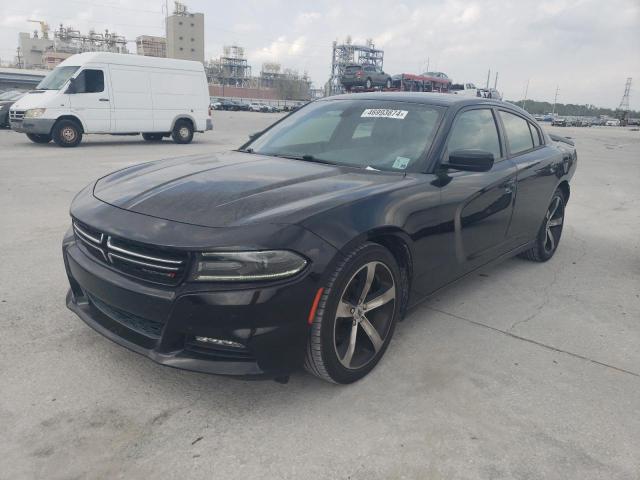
[
  {"x": 104, "y": 99},
  {"x": 509, "y": 186}
]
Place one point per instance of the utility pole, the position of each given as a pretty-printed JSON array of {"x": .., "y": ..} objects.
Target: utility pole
[
  {"x": 428, "y": 63},
  {"x": 495, "y": 84},
  {"x": 623, "y": 108},
  {"x": 555, "y": 100},
  {"x": 526, "y": 92},
  {"x": 488, "y": 76}
]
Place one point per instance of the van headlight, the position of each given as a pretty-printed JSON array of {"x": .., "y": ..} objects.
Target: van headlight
[
  {"x": 247, "y": 266},
  {"x": 34, "y": 112}
]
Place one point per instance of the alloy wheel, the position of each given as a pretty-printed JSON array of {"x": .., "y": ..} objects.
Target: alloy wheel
[
  {"x": 364, "y": 315},
  {"x": 553, "y": 225},
  {"x": 184, "y": 132}
]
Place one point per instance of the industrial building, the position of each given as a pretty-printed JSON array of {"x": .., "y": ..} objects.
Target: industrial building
[
  {"x": 185, "y": 34},
  {"x": 151, "y": 46},
  {"x": 42, "y": 51}
]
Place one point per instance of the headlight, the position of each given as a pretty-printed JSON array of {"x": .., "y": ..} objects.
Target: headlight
[
  {"x": 34, "y": 112},
  {"x": 247, "y": 266}
]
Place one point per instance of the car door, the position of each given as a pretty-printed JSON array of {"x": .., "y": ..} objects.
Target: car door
[
  {"x": 539, "y": 166},
  {"x": 476, "y": 206},
  {"x": 90, "y": 100}
]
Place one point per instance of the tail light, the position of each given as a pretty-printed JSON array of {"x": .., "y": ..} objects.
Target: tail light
[
  {"x": 359, "y": 73},
  {"x": 209, "y": 110}
]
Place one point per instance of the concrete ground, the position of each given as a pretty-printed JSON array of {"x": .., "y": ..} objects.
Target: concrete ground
[{"x": 523, "y": 371}]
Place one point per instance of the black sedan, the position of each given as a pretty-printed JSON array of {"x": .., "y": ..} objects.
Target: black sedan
[{"x": 308, "y": 244}]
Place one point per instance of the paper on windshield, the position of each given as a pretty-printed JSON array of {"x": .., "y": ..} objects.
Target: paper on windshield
[{"x": 384, "y": 113}]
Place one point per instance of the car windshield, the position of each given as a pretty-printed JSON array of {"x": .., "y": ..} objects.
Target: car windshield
[
  {"x": 57, "y": 78},
  {"x": 381, "y": 135}
]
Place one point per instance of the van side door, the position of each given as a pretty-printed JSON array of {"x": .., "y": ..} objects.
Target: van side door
[
  {"x": 90, "y": 99},
  {"x": 132, "y": 105}
]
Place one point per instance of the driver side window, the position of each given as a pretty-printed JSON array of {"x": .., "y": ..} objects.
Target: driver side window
[
  {"x": 90, "y": 81},
  {"x": 475, "y": 130}
]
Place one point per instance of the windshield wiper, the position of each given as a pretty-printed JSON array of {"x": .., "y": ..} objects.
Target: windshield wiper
[{"x": 306, "y": 158}]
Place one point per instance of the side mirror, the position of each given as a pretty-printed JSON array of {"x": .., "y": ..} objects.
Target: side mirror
[
  {"x": 470, "y": 160},
  {"x": 72, "y": 86}
]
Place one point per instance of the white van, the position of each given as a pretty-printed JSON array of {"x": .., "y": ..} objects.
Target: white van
[{"x": 114, "y": 93}]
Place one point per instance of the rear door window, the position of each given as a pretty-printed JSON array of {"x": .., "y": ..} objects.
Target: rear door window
[{"x": 517, "y": 131}]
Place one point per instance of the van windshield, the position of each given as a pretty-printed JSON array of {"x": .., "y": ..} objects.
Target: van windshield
[{"x": 57, "y": 78}]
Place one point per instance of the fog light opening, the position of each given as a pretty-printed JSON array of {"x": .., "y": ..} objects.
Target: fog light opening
[{"x": 220, "y": 342}]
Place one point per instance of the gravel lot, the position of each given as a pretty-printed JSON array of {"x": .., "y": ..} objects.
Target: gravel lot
[{"x": 522, "y": 371}]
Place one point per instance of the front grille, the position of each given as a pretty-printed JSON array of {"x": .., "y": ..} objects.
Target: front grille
[
  {"x": 16, "y": 115},
  {"x": 150, "y": 263},
  {"x": 148, "y": 328}
]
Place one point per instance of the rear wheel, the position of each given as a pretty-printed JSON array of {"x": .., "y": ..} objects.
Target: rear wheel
[
  {"x": 550, "y": 231},
  {"x": 182, "y": 131},
  {"x": 368, "y": 84},
  {"x": 39, "y": 137},
  {"x": 356, "y": 316},
  {"x": 67, "y": 133},
  {"x": 153, "y": 137}
]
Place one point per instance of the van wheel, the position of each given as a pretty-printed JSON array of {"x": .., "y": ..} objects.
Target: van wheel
[
  {"x": 152, "y": 137},
  {"x": 389, "y": 83},
  {"x": 67, "y": 133},
  {"x": 39, "y": 138},
  {"x": 182, "y": 131}
]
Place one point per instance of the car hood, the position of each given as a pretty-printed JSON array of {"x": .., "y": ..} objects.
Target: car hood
[
  {"x": 37, "y": 99},
  {"x": 235, "y": 188}
]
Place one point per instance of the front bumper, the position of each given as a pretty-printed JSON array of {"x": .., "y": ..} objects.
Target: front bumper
[
  {"x": 268, "y": 320},
  {"x": 41, "y": 126}
]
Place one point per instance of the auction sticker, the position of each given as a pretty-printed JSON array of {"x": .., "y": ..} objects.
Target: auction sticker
[{"x": 384, "y": 113}]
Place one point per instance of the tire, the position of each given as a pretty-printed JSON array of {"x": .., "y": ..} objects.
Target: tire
[
  {"x": 550, "y": 231},
  {"x": 389, "y": 83},
  {"x": 368, "y": 84},
  {"x": 182, "y": 131},
  {"x": 153, "y": 137},
  {"x": 67, "y": 133},
  {"x": 330, "y": 338},
  {"x": 39, "y": 137}
]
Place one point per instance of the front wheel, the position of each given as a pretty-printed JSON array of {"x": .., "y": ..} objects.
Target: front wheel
[
  {"x": 39, "y": 137},
  {"x": 550, "y": 231},
  {"x": 182, "y": 132},
  {"x": 67, "y": 133},
  {"x": 356, "y": 316},
  {"x": 368, "y": 84}
]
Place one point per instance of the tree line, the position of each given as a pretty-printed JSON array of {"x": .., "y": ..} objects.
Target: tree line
[{"x": 535, "y": 107}]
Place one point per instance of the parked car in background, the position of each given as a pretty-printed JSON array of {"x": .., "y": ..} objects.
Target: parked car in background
[
  {"x": 364, "y": 76},
  {"x": 466, "y": 89},
  {"x": 216, "y": 104},
  {"x": 7, "y": 99},
  {"x": 613, "y": 122},
  {"x": 559, "y": 122},
  {"x": 112, "y": 93},
  {"x": 308, "y": 244},
  {"x": 436, "y": 74},
  {"x": 255, "y": 107}
]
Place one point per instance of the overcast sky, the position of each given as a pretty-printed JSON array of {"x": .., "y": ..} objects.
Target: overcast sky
[{"x": 587, "y": 47}]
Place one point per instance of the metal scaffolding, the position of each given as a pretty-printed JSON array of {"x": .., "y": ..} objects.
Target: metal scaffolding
[
  {"x": 347, "y": 54},
  {"x": 231, "y": 68}
]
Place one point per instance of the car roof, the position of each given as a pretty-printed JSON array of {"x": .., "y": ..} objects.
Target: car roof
[{"x": 429, "y": 98}]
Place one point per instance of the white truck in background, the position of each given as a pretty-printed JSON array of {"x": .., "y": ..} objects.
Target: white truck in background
[{"x": 113, "y": 93}]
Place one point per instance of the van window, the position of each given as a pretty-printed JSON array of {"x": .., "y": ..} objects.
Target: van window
[{"x": 90, "y": 81}]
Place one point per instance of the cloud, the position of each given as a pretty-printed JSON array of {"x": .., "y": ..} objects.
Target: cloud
[{"x": 279, "y": 50}]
